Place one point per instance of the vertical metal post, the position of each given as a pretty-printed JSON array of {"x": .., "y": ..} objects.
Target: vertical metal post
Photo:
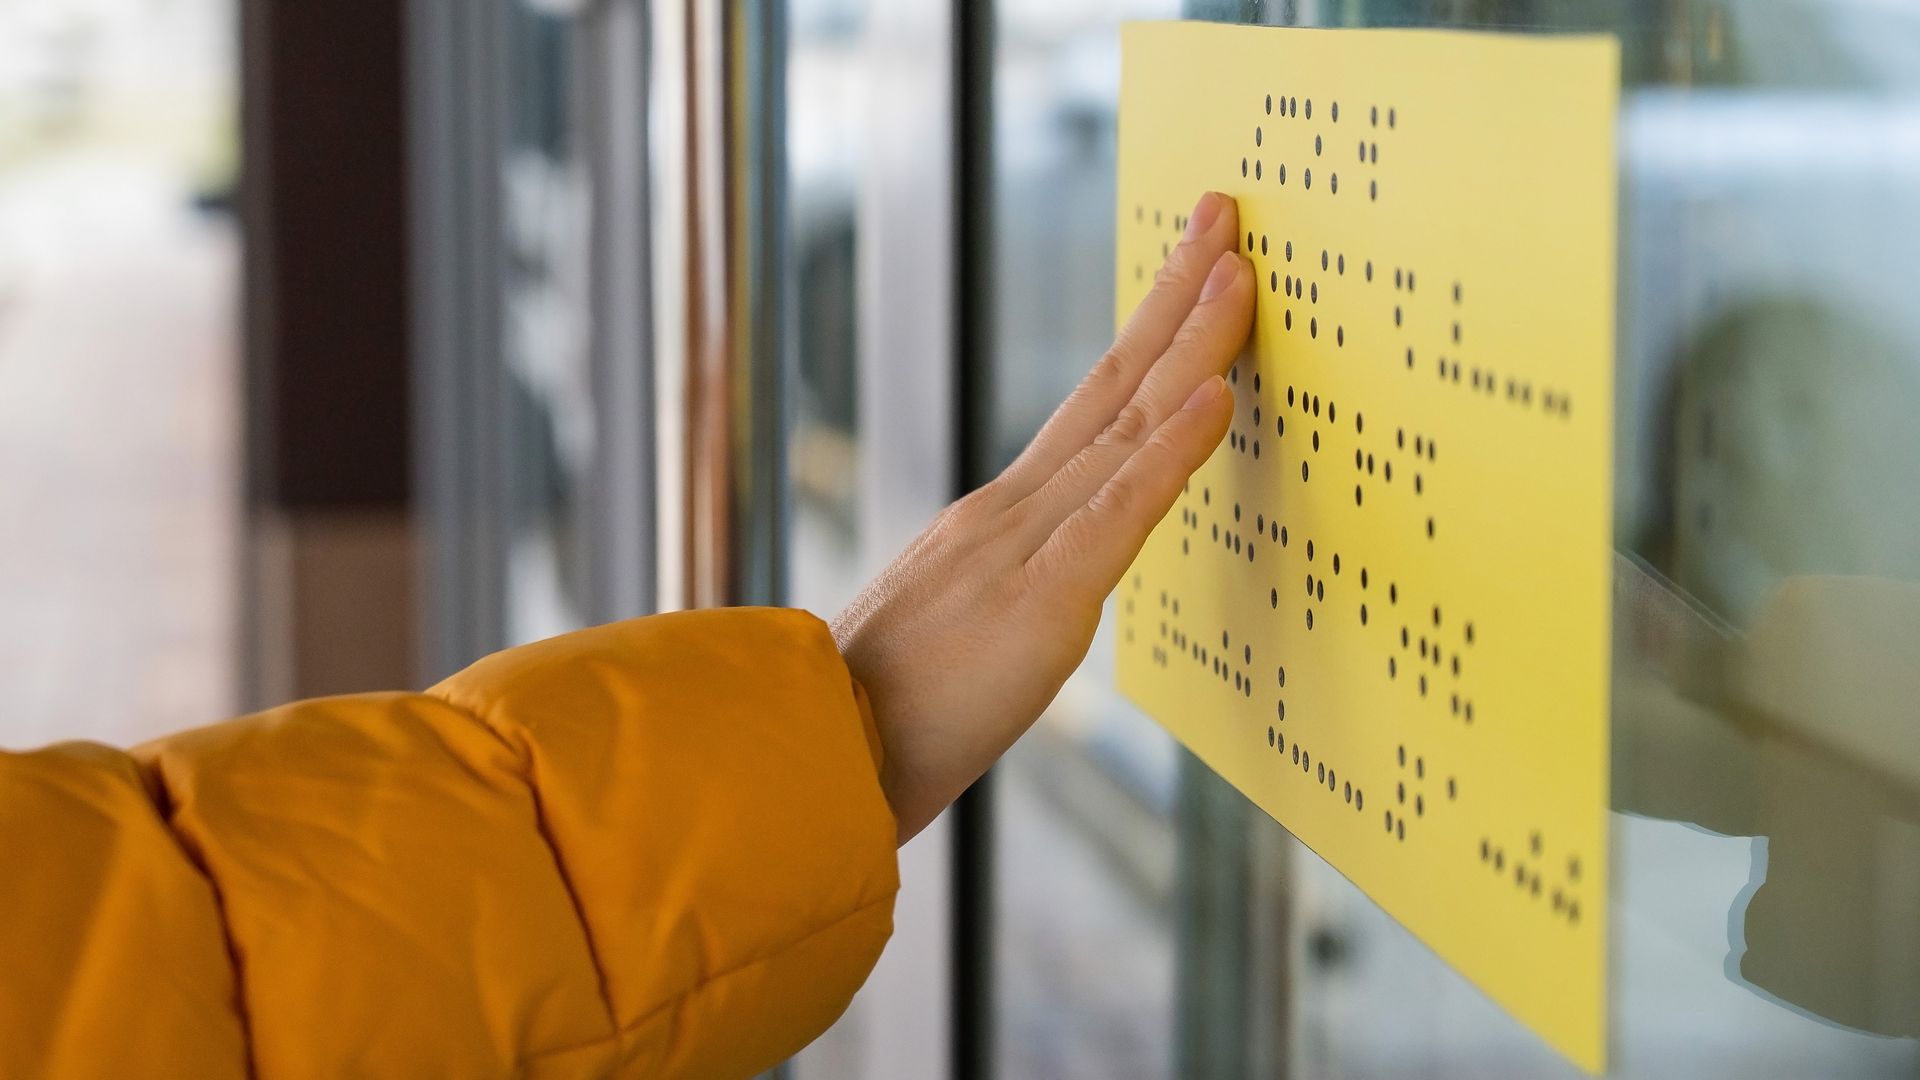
[
  {"x": 973, "y": 846},
  {"x": 718, "y": 81}
]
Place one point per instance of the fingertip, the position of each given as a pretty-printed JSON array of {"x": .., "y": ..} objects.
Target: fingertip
[
  {"x": 1227, "y": 271},
  {"x": 1205, "y": 394}
]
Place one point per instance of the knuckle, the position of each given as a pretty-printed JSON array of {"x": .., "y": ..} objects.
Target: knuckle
[
  {"x": 1129, "y": 426},
  {"x": 1112, "y": 367}
]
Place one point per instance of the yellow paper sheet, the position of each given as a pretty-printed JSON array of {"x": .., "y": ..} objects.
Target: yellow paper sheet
[{"x": 1382, "y": 609}]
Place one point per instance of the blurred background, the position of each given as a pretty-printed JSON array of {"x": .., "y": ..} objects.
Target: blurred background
[{"x": 341, "y": 344}]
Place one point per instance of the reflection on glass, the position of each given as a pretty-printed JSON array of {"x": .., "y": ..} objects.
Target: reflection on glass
[
  {"x": 548, "y": 407},
  {"x": 1766, "y": 918},
  {"x": 1084, "y": 960}
]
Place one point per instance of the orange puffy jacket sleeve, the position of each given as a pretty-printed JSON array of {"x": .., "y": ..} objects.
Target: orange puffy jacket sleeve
[{"x": 652, "y": 849}]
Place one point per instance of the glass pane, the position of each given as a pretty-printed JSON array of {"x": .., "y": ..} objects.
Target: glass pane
[
  {"x": 1767, "y": 604},
  {"x": 1084, "y": 958},
  {"x": 547, "y": 407}
]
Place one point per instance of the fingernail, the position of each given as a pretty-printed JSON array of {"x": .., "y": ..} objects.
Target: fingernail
[
  {"x": 1204, "y": 213},
  {"x": 1205, "y": 395},
  {"x": 1225, "y": 269}
]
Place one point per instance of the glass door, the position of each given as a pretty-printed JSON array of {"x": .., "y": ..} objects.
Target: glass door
[{"x": 1147, "y": 921}]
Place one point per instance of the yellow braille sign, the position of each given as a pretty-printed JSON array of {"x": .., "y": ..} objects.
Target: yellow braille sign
[{"x": 1382, "y": 608}]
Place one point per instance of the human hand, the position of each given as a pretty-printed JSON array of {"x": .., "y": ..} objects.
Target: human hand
[{"x": 969, "y": 634}]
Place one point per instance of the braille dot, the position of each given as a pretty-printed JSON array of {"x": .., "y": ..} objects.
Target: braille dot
[
  {"x": 1282, "y": 174},
  {"x": 1423, "y": 686},
  {"x": 1283, "y": 532},
  {"x": 1296, "y": 753},
  {"x": 1243, "y": 166},
  {"x": 1346, "y": 791},
  {"x": 1336, "y": 112},
  {"x": 1376, "y": 153},
  {"x": 1376, "y": 116},
  {"x": 1309, "y": 618},
  {"x": 1293, "y": 107},
  {"x": 1373, "y": 190},
  {"x": 1320, "y": 772},
  {"x": 1315, "y": 292},
  {"x": 1363, "y": 151},
  {"x": 1307, "y": 179},
  {"x": 1486, "y": 851},
  {"x": 1316, "y": 441},
  {"x": 1393, "y": 592},
  {"x": 1418, "y": 484},
  {"x": 1399, "y": 277},
  {"x": 1409, "y": 357},
  {"x": 1452, "y": 789},
  {"x": 1256, "y": 170},
  {"x": 1313, "y": 327},
  {"x": 1389, "y": 821},
  {"x": 1357, "y": 497},
  {"x": 1393, "y": 117},
  {"x": 1270, "y": 735},
  {"x": 1456, "y": 292},
  {"x": 1289, "y": 285},
  {"x": 1309, "y": 551},
  {"x": 1393, "y": 668},
  {"x": 1303, "y": 471},
  {"x": 1340, "y": 335},
  {"x": 1269, "y": 104},
  {"x": 1396, "y": 315},
  {"x": 1277, "y": 531},
  {"x": 1469, "y": 715},
  {"x": 1273, "y": 598},
  {"x": 1316, "y": 146},
  {"x": 1332, "y": 415},
  {"x": 1333, "y": 183},
  {"x": 1429, "y": 528},
  {"x": 1282, "y": 672},
  {"x": 1400, "y": 829},
  {"x": 1320, "y": 591},
  {"x": 1206, "y": 496},
  {"x": 1256, "y": 136},
  {"x": 1499, "y": 859},
  {"x": 1419, "y": 806},
  {"x": 1309, "y": 108},
  {"x": 1289, "y": 318},
  {"x": 1573, "y": 868},
  {"x": 1363, "y": 614}
]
